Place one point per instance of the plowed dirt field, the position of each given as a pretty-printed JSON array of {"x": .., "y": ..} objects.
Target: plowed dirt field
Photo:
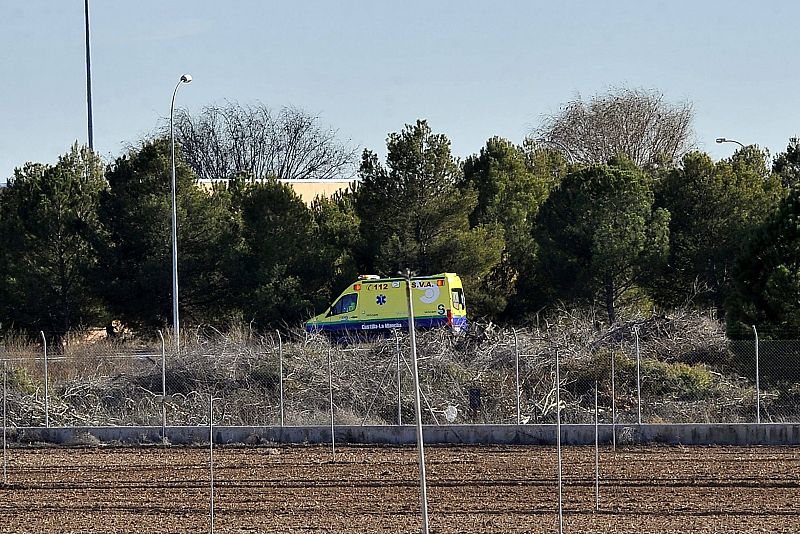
[{"x": 368, "y": 489}]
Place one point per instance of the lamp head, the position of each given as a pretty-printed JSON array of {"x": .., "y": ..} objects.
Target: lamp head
[
  {"x": 186, "y": 78},
  {"x": 721, "y": 140}
]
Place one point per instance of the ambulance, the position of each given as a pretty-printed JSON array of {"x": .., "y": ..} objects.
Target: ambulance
[{"x": 374, "y": 305}]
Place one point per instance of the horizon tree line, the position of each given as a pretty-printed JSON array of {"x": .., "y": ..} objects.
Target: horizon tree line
[{"x": 529, "y": 226}]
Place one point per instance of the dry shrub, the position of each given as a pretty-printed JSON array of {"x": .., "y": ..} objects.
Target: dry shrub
[{"x": 686, "y": 376}]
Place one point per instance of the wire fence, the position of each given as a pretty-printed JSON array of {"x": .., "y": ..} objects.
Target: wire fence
[{"x": 650, "y": 371}]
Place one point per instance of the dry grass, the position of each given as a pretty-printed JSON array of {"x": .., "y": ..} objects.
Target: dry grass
[{"x": 686, "y": 376}]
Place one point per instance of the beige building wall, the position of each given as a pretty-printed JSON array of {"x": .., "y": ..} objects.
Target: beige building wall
[{"x": 307, "y": 190}]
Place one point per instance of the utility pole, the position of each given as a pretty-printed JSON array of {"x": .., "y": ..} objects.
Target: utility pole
[{"x": 89, "y": 80}]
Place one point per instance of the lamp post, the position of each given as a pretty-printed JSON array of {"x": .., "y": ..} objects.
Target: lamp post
[
  {"x": 88, "y": 79},
  {"x": 186, "y": 78},
  {"x": 725, "y": 140}
]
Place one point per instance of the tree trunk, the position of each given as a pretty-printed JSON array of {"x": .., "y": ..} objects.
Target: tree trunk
[{"x": 609, "y": 291}]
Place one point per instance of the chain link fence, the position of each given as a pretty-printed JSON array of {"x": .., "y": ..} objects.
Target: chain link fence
[{"x": 660, "y": 370}]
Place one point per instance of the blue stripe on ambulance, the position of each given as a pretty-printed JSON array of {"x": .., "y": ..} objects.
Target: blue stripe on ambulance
[{"x": 459, "y": 323}]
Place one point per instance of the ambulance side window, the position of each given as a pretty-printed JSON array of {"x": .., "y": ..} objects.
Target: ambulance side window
[
  {"x": 458, "y": 298},
  {"x": 346, "y": 304}
]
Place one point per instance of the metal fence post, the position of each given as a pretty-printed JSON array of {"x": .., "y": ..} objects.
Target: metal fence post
[
  {"x": 399, "y": 388},
  {"x": 613, "y": 404},
  {"x": 558, "y": 447},
  {"x": 5, "y": 449},
  {"x": 638, "y": 377},
  {"x": 423, "y": 489},
  {"x": 211, "y": 455},
  {"x": 280, "y": 370},
  {"x": 596, "y": 451},
  {"x": 516, "y": 366},
  {"x": 330, "y": 392},
  {"x": 163, "y": 390},
  {"x": 758, "y": 385},
  {"x": 46, "y": 386}
]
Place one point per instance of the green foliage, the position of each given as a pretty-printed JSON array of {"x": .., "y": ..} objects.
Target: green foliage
[
  {"x": 767, "y": 278},
  {"x": 47, "y": 217},
  {"x": 413, "y": 214},
  {"x": 599, "y": 236},
  {"x": 20, "y": 381},
  {"x": 336, "y": 235},
  {"x": 787, "y": 165},
  {"x": 713, "y": 205},
  {"x": 77, "y": 249},
  {"x": 275, "y": 274},
  {"x": 680, "y": 380},
  {"x": 135, "y": 274},
  {"x": 511, "y": 182},
  {"x": 673, "y": 379}
]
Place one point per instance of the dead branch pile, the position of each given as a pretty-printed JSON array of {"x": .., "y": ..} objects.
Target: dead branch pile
[{"x": 685, "y": 370}]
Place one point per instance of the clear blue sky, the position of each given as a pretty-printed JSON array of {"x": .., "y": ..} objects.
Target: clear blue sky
[{"x": 472, "y": 68}]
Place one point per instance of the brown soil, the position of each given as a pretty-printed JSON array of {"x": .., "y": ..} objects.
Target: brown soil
[{"x": 470, "y": 489}]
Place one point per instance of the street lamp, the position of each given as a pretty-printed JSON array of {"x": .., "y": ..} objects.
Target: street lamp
[
  {"x": 725, "y": 140},
  {"x": 186, "y": 78}
]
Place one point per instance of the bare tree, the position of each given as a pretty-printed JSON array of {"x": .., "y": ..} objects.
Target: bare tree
[
  {"x": 221, "y": 142},
  {"x": 637, "y": 123}
]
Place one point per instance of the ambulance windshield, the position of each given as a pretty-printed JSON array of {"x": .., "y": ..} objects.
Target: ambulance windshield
[{"x": 346, "y": 304}]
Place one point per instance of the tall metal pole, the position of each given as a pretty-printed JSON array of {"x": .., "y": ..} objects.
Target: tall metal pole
[
  {"x": 186, "y": 78},
  {"x": 758, "y": 385},
  {"x": 423, "y": 490},
  {"x": 88, "y": 79}
]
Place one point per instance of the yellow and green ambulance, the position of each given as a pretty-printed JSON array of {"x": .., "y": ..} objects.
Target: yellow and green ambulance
[{"x": 374, "y": 305}]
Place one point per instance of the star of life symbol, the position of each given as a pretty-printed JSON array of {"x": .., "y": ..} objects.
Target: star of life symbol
[{"x": 381, "y": 299}]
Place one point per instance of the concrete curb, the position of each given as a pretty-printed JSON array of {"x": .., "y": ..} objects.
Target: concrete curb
[{"x": 571, "y": 434}]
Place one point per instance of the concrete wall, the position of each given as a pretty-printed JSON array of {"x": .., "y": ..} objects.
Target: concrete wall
[{"x": 688, "y": 434}]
